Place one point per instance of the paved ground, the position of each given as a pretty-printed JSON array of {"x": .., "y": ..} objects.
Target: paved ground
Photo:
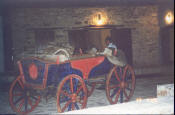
[{"x": 146, "y": 87}]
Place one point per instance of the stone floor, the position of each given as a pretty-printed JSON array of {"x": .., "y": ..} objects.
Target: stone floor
[{"x": 146, "y": 87}]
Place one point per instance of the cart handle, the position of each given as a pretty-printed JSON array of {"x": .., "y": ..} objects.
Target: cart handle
[{"x": 64, "y": 51}]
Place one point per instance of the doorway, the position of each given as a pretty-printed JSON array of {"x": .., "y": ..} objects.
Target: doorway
[
  {"x": 167, "y": 43},
  {"x": 122, "y": 38}
]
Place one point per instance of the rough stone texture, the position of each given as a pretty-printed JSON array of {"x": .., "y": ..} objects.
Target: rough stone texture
[{"x": 143, "y": 21}]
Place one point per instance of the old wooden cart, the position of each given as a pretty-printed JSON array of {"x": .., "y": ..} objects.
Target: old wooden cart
[{"x": 71, "y": 82}]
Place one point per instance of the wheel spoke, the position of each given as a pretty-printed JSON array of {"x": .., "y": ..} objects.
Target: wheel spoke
[
  {"x": 114, "y": 92},
  {"x": 79, "y": 89},
  {"x": 18, "y": 88},
  {"x": 76, "y": 106},
  {"x": 128, "y": 78},
  {"x": 114, "y": 86},
  {"x": 128, "y": 81},
  {"x": 116, "y": 75},
  {"x": 67, "y": 87},
  {"x": 34, "y": 97},
  {"x": 75, "y": 85},
  {"x": 66, "y": 105},
  {"x": 66, "y": 94},
  {"x": 121, "y": 96},
  {"x": 117, "y": 96},
  {"x": 19, "y": 99},
  {"x": 129, "y": 75},
  {"x": 81, "y": 101},
  {"x": 17, "y": 94},
  {"x": 26, "y": 103},
  {"x": 128, "y": 88},
  {"x": 21, "y": 84},
  {"x": 71, "y": 84},
  {"x": 21, "y": 104},
  {"x": 64, "y": 99},
  {"x": 126, "y": 95},
  {"x": 29, "y": 101},
  {"x": 73, "y": 106},
  {"x": 70, "y": 106}
]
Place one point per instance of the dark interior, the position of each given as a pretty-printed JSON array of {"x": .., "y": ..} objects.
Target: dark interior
[
  {"x": 88, "y": 38},
  {"x": 167, "y": 44}
]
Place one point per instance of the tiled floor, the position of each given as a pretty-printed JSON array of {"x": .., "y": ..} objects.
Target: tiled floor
[{"x": 145, "y": 88}]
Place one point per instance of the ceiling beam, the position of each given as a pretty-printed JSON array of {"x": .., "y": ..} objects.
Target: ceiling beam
[{"x": 75, "y": 3}]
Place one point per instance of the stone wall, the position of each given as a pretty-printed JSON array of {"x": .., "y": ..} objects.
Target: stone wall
[
  {"x": 143, "y": 21},
  {"x": 1, "y": 47}
]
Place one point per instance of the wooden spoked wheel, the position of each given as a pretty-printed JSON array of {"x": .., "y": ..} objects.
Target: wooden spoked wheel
[
  {"x": 120, "y": 84},
  {"x": 71, "y": 94},
  {"x": 22, "y": 100}
]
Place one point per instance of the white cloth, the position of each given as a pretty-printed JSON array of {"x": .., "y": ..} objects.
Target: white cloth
[
  {"x": 120, "y": 60},
  {"x": 107, "y": 52},
  {"x": 116, "y": 61}
]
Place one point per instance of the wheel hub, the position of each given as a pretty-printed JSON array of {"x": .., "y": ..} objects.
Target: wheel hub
[
  {"x": 74, "y": 97},
  {"x": 123, "y": 84}
]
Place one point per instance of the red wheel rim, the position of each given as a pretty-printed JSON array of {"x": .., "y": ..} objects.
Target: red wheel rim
[
  {"x": 20, "y": 99},
  {"x": 90, "y": 89},
  {"x": 71, "y": 94},
  {"x": 129, "y": 80},
  {"x": 117, "y": 84}
]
